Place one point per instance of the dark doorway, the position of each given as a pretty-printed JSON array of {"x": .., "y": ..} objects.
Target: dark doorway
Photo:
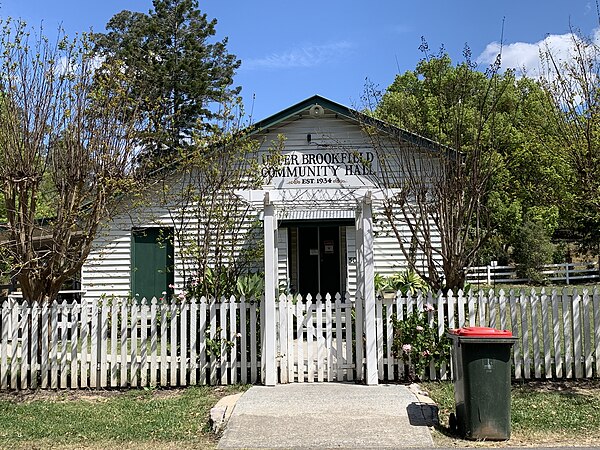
[{"x": 319, "y": 260}]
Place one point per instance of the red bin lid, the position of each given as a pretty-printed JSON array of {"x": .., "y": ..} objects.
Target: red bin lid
[{"x": 486, "y": 332}]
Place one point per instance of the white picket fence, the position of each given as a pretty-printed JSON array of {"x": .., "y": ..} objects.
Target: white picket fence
[
  {"x": 558, "y": 330},
  {"x": 120, "y": 344}
]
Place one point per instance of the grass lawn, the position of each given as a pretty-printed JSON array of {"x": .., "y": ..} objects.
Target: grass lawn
[
  {"x": 542, "y": 413},
  {"x": 154, "y": 419}
]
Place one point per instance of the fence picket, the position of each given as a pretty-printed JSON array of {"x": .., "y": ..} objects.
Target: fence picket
[
  {"x": 75, "y": 320},
  {"x": 133, "y": 346},
  {"x": 587, "y": 345},
  {"x": 193, "y": 341},
  {"x": 460, "y": 308},
  {"x": 513, "y": 304},
  {"x": 348, "y": 322},
  {"x": 233, "y": 338},
  {"x": 299, "y": 341},
  {"x": 534, "y": 303},
  {"x": 379, "y": 329},
  {"x": 244, "y": 343},
  {"x": 124, "y": 338},
  {"x": 114, "y": 338},
  {"x": 558, "y": 360},
  {"x": 545, "y": 306},
  {"x": 24, "y": 327},
  {"x": 183, "y": 347},
  {"x": 338, "y": 340},
  {"x": 320, "y": 340},
  {"x": 502, "y": 307},
  {"x": 329, "y": 337},
  {"x": 223, "y": 308},
  {"x": 471, "y": 307},
  {"x": 35, "y": 336},
  {"x": 400, "y": 304},
  {"x": 144, "y": 342},
  {"x": 202, "y": 334},
  {"x": 53, "y": 346},
  {"x": 64, "y": 315},
  {"x": 212, "y": 333},
  {"x": 389, "y": 339},
  {"x": 103, "y": 342},
  {"x": 568, "y": 330},
  {"x": 577, "y": 338},
  {"x": 85, "y": 315},
  {"x": 253, "y": 344},
  {"x": 173, "y": 347},
  {"x": 308, "y": 319},
  {"x": 282, "y": 315}
]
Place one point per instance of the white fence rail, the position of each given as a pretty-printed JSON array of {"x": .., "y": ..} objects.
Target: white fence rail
[
  {"x": 567, "y": 273},
  {"x": 120, "y": 344}
]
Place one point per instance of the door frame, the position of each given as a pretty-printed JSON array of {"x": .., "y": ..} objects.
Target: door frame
[{"x": 294, "y": 254}]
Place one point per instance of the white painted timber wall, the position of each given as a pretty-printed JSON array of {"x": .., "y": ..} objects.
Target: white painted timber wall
[{"x": 108, "y": 269}]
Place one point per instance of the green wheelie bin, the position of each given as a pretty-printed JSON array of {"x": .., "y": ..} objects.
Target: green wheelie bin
[{"x": 481, "y": 371}]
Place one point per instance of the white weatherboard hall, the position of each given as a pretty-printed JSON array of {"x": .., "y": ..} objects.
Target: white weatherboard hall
[{"x": 317, "y": 209}]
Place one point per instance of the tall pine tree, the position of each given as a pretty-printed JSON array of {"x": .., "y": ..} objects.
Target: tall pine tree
[{"x": 175, "y": 66}]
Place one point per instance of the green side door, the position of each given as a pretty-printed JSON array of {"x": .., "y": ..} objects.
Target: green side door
[{"x": 152, "y": 258}]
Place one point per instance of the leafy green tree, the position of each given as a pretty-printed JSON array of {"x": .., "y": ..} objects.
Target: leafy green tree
[
  {"x": 176, "y": 71},
  {"x": 496, "y": 120}
]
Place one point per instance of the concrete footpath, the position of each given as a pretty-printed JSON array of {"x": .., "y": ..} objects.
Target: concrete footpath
[{"x": 329, "y": 415}]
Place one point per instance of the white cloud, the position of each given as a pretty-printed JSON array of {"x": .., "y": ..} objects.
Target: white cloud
[
  {"x": 525, "y": 58},
  {"x": 307, "y": 56}
]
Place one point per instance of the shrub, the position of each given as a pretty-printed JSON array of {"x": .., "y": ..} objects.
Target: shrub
[{"x": 417, "y": 344}]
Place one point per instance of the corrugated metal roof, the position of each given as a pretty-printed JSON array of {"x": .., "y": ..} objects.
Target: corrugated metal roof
[{"x": 317, "y": 214}]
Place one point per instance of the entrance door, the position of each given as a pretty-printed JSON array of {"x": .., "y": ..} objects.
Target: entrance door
[{"x": 319, "y": 260}]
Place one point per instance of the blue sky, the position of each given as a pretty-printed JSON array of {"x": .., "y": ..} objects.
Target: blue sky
[{"x": 293, "y": 50}]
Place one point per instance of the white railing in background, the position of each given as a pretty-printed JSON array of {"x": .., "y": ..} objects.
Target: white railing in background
[{"x": 566, "y": 273}]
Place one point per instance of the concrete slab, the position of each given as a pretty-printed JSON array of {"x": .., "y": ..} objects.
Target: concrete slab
[{"x": 328, "y": 415}]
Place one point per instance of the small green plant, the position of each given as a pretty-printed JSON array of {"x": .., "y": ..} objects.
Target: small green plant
[
  {"x": 404, "y": 282},
  {"x": 250, "y": 286},
  {"x": 417, "y": 344}
]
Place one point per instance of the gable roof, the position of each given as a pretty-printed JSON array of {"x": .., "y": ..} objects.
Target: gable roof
[{"x": 347, "y": 113}]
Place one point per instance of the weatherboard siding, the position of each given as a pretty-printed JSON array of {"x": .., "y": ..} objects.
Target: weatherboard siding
[{"x": 108, "y": 268}]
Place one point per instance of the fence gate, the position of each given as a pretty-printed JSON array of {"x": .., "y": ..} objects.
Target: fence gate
[{"x": 316, "y": 339}]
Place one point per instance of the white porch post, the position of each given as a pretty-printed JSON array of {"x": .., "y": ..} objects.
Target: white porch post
[
  {"x": 369, "y": 291},
  {"x": 269, "y": 326}
]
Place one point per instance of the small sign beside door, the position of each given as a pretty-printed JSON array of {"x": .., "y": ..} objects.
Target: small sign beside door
[
  {"x": 328, "y": 247},
  {"x": 314, "y": 252}
]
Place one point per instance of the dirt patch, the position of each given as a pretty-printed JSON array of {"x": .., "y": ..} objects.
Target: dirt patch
[
  {"x": 86, "y": 395},
  {"x": 581, "y": 387}
]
